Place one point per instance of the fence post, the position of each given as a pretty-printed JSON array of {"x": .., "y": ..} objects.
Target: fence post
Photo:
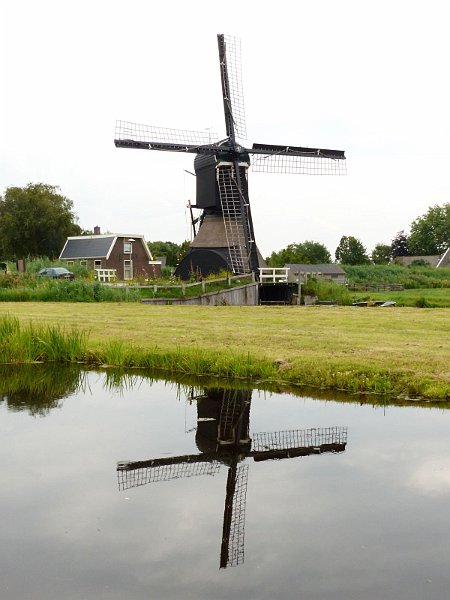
[{"x": 203, "y": 286}]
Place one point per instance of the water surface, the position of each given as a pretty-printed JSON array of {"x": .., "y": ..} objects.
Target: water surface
[{"x": 362, "y": 514}]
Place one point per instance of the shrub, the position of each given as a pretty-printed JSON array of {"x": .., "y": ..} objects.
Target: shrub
[{"x": 327, "y": 290}]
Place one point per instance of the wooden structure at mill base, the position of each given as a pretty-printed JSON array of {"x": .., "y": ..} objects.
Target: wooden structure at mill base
[
  {"x": 224, "y": 235},
  {"x": 275, "y": 288},
  {"x": 223, "y": 439}
]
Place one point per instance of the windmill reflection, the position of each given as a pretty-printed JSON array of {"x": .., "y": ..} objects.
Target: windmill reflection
[{"x": 223, "y": 438}]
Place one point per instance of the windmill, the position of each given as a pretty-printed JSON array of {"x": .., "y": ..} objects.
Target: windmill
[
  {"x": 223, "y": 439},
  {"x": 225, "y": 238}
]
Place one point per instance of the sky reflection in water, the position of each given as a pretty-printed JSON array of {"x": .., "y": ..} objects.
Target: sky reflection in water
[{"x": 369, "y": 522}]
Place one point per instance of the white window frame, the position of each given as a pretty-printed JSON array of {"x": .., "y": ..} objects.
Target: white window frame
[{"x": 127, "y": 270}]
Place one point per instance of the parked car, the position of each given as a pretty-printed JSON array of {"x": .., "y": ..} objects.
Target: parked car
[{"x": 56, "y": 273}]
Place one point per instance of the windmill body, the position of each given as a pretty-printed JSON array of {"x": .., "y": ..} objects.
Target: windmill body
[{"x": 225, "y": 237}]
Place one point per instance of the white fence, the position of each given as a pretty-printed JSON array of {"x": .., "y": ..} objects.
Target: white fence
[
  {"x": 273, "y": 275},
  {"x": 106, "y": 274}
]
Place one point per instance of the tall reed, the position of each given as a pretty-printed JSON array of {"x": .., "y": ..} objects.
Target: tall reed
[{"x": 30, "y": 343}]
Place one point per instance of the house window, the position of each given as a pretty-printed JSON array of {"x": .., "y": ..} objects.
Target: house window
[
  {"x": 69, "y": 262},
  {"x": 97, "y": 264},
  {"x": 127, "y": 269},
  {"x": 127, "y": 247},
  {"x": 83, "y": 263}
]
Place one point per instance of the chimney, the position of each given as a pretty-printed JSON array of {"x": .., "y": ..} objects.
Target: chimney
[{"x": 96, "y": 230}]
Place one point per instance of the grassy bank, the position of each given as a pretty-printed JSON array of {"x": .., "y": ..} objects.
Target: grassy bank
[
  {"x": 420, "y": 298},
  {"x": 395, "y": 351},
  {"x": 412, "y": 277}
]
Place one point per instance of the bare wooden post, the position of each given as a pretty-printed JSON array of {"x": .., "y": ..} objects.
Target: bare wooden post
[
  {"x": 203, "y": 286},
  {"x": 183, "y": 289}
]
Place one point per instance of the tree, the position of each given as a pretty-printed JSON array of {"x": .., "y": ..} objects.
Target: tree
[
  {"x": 35, "y": 221},
  {"x": 381, "y": 254},
  {"x": 172, "y": 251},
  {"x": 430, "y": 233},
  {"x": 399, "y": 245},
  {"x": 351, "y": 251},
  {"x": 304, "y": 253}
]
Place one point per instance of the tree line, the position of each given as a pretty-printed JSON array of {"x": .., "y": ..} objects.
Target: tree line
[
  {"x": 35, "y": 220},
  {"x": 429, "y": 235}
]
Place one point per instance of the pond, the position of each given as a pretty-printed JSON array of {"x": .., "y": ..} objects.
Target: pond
[{"x": 132, "y": 487}]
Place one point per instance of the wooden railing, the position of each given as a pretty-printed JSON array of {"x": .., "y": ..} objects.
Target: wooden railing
[
  {"x": 376, "y": 287},
  {"x": 273, "y": 275},
  {"x": 184, "y": 286}
]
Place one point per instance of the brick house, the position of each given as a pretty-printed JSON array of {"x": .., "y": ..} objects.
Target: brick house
[{"x": 127, "y": 254}]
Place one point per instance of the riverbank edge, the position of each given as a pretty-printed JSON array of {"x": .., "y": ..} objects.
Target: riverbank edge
[{"x": 30, "y": 343}]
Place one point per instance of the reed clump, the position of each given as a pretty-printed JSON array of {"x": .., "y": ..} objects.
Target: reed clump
[
  {"x": 187, "y": 360},
  {"x": 32, "y": 343}
]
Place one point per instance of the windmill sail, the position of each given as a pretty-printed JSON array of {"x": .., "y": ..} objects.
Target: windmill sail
[
  {"x": 232, "y": 89},
  {"x": 149, "y": 137},
  {"x": 268, "y": 158}
]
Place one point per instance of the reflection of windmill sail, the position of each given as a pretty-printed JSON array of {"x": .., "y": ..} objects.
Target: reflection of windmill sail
[
  {"x": 232, "y": 547},
  {"x": 225, "y": 238},
  {"x": 298, "y": 442},
  {"x": 223, "y": 439},
  {"x": 135, "y": 474}
]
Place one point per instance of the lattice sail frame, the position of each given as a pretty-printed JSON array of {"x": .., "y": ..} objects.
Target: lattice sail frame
[
  {"x": 236, "y": 89},
  {"x": 141, "y": 476},
  {"x": 298, "y": 165},
  {"x": 237, "y": 530},
  {"x": 298, "y": 438},
  {"x": 126, "y": 130}
]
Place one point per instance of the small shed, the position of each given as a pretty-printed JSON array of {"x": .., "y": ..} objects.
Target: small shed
[
  {"x": 125, "y": 254},
  {"x": 301, "y": 272}
]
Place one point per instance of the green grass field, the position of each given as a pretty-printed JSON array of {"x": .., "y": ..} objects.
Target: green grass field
[
  {"x": 431, "y": 298},
  {"x": 400, "y": 351}
]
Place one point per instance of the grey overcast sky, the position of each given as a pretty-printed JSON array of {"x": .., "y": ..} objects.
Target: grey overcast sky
[{"x": 370, "y": 78}]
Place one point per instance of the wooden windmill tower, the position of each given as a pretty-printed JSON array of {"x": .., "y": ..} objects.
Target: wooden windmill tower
[
  {"x": 223, "y": 439},
  {"x": 225, "y": 238}
]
